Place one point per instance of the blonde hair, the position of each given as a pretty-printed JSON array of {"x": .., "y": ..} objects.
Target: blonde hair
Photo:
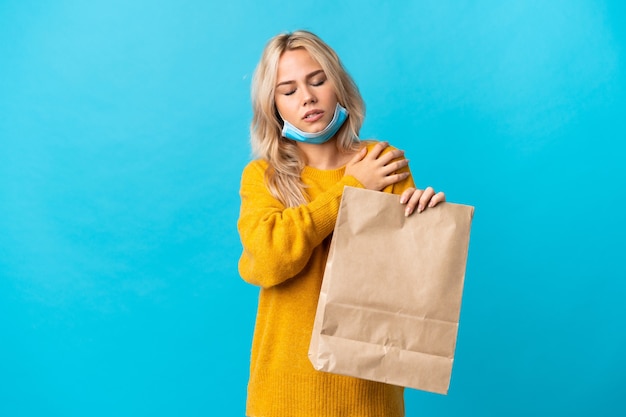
[{"x": 285, "y": 161}]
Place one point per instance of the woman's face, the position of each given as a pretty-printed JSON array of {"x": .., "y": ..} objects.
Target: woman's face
[{"x": 304, "y": 96}]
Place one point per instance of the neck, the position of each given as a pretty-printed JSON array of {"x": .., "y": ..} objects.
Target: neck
[{"x": 324, "y": 155}]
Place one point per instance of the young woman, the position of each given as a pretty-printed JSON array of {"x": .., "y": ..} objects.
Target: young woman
[{"x": 307, "y": 113}]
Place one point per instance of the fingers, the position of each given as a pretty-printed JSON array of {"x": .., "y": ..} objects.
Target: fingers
[
  {"x": 420, "y": 199},
  {"x": 378, "y": 149},
  {"x": 425, "y": 199},
  {"x": 377, "y": 153},
  {"x": 397, "y": 165},
  {"x": 392, "y": 179},
  {"x": 440, "y": 197},
  {"x": 358, "y": 156},
  {"x": 389, "y": 162},
  {"x": 414, "y": 196}
]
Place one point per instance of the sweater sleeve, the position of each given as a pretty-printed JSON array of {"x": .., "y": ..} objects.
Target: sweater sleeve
[{"x": 278, "y": 241}]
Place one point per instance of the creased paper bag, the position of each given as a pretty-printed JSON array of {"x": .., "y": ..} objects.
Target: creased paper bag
[{"x": 391, "y": 296}]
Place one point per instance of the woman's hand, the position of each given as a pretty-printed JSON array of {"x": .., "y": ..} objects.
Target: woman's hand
[
  {"x": 421, "y": 199},
  {"x": 376, "y": 170}
]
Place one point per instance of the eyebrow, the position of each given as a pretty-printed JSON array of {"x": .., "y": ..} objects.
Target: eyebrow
[{"x": 313, "y": 74}]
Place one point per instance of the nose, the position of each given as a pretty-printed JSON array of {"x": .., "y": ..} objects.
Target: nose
[{"x": 307, "y": 96}]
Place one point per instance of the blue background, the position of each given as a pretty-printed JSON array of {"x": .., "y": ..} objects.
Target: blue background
[{"x": 123, "y": 133}]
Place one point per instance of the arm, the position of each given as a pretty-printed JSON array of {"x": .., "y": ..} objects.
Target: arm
[{"x": 278, "y": 241}]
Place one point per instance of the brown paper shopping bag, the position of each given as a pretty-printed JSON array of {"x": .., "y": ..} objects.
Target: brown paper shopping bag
[{"x": 391, "y": 296}]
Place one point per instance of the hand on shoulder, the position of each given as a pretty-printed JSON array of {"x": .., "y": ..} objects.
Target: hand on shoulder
[{"x": 375, "y": 166}]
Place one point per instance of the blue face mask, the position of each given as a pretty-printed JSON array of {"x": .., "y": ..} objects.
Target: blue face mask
[{"x": 292, "y": 132}]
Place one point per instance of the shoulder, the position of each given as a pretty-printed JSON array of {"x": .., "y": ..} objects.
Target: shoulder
[
  {"x": 370, "y": 143},
  {"x": 255, "y": 167}
]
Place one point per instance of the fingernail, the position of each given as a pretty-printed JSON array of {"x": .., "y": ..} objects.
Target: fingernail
[
  {"x": 431, "y": 204},
  {"x": 402, "y": 200},
  {"x": 420, "y": 208},
  {"x": 407, "y": 212}
]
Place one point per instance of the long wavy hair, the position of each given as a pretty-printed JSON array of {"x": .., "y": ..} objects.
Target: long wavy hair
[{"x": 285, "y": 160}]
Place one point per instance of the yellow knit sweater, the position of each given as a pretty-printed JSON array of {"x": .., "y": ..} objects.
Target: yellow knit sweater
[{"x": 284, "y": 252}]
